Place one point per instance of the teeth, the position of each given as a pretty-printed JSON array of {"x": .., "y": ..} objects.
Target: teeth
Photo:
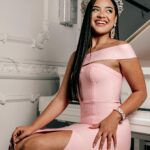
[{"x": 100, "y": 22}]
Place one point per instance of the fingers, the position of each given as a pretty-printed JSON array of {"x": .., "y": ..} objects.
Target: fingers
[
  {"x": 103, "y": 138},
  {"x": 114, "y": 140},
  {"x": 19, "y": 138},
  {"x": 15, "y": 133},
  {"x": 109, "y": 137},
  {"x": 18, "y": 134},
  {"x": 98, "y": 136}
]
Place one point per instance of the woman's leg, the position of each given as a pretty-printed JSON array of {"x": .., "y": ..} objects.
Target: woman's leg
[
  {"x": 19, "y": 145},
  {"x": 54, "y": 140}
]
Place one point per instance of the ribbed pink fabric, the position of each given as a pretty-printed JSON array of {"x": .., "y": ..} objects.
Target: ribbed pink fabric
[{"x": 100, "y": 93}]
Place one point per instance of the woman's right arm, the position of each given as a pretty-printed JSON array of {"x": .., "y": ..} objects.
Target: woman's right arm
[
  {"x": 58, "y": 104},
  {"x": 55, "y": 107}
]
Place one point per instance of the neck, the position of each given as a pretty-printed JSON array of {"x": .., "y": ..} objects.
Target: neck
[{"x": 98, "y": 41}]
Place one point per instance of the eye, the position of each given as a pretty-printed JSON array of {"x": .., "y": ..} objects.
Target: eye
[
  {"x": 109, "y": 10},
  {"x": 95, "y": 10}
]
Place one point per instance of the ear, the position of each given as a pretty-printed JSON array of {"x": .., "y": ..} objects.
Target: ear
[{"x": 115, "y": 20}]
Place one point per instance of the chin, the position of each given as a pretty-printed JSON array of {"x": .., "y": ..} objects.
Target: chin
[{"x": 100, "y": 33}]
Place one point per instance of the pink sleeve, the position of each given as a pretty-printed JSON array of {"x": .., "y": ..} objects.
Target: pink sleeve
[{"x": 127, "y": 51}]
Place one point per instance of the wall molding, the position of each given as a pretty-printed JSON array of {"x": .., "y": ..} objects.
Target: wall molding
[
  {"x": 18, "y": 98},
  {"x": 39, "y": 41},
  {"x": 31, "y": 70}
]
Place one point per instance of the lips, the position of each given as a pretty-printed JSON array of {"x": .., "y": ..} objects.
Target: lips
[{"x": 101, "y": 22}]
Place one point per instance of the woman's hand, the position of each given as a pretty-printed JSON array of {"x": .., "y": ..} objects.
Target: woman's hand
[
  {"x": 107, "y": 130},
  {"x": 21, "y": 132}
]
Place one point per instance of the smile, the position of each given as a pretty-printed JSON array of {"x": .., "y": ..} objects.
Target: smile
[{"x": 100, "y": 23}]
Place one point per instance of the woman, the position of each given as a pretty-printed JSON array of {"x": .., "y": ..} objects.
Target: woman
[{"x": 95, "y": 80}]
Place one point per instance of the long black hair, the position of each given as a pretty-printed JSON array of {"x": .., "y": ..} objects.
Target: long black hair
[{"x": 84, "y": 43}]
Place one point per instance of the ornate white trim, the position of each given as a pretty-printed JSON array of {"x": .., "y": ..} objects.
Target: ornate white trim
[
  {"x": 18, "y": 98},
  {"x": 29, "y": 70},
  {"x": 41, "y": 38},
  {"x": 3, "y": 37}
]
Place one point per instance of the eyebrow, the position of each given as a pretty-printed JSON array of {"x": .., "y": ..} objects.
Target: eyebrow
[{"x": 106, "y": 7}]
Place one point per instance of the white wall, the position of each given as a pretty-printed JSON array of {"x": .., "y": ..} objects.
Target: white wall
[
  {"x": 62, "y": 39},
  {"x": 25, "y": 20},
  {"x": 20, "y": 19}
]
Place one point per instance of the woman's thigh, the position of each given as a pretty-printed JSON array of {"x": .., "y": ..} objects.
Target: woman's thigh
[
  {"x": 19, "y": 145},
  {"x": 54, "y": 140}
]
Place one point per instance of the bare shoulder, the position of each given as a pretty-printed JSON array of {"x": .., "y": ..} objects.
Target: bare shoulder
[{"x": 120, "y": 42}]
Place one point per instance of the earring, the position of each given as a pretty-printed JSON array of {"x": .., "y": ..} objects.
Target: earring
[{"x": 112, "y": 34}]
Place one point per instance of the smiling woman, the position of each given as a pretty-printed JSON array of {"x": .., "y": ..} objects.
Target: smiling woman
[{"x": 94, "y": 78}]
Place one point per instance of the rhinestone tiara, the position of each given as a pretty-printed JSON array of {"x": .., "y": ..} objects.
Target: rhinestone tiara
[{"x": 119, "y": 4}]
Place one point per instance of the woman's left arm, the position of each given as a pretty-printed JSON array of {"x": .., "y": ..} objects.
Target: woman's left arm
[{"x": 132, "y": 71}]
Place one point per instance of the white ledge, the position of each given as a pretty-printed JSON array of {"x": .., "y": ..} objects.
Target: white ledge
[
  {"x": 18, "y": 98},
  {"x": 29, "y": 70}
]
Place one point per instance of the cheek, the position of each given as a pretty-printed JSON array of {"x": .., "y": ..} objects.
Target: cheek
[
  {"x": 112, "y": 18},
  {"x": 111, "y": 24},
  {"x": 93, "y": 16},
  {"x": 92, "y": 20}
]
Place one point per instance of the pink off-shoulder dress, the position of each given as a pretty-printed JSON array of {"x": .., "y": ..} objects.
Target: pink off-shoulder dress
[{"x": 100, "y": 93}]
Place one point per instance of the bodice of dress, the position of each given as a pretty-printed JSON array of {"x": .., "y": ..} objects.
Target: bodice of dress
[{"x": 99, "y": 82}]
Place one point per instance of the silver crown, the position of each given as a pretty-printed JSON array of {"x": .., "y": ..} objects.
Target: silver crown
[
  {"x": 120, "y": 6},
  {"x": 118, "y": 2}
]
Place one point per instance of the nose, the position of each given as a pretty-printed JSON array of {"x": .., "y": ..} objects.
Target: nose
[{"x": 101, "y": 14}]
